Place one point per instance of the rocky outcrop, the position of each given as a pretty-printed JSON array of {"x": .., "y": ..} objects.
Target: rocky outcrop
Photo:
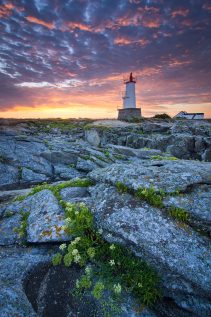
[
  {"x": 183, "y": 139},
  {"x": 181, "y": 257},
  {"x": 166, "y": 175},
  {"x": 138, "y": 157}
]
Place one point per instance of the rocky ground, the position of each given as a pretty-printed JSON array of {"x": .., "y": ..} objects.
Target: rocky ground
[{"x": 169, "y": 229}]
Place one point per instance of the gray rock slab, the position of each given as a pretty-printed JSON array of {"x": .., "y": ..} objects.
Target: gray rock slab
[
  {"x": 15, "y": 262},
  {"x": 46, "y": 218},
  {"x": 167, "y": 175},
  {"x": 92, "y": 136},
  {"x": 7, "y": 227},
  {"x": 9, "y": 174},
  {"x": 169, "y": 248},
  {"x": 61, "y": 157},
  {"x": 66, "y": 172},
  {"x": 30, "y": 176},
  {"x": 10, "y": 194},
  {"x": 74, "y": 192},
  {"x": 140, "y": 153},
  {"x": 85, "y": 165},
  {"x": 197, "y": 202}
]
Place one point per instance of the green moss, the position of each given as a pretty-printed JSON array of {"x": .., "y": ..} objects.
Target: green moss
[
  {"x": 151, "y": 196},
  {"x": 122, "y": 188},
  {"x": 57, "y": 188},
  {"x": 160, "y": 158},
  {"x": 21, "y": 231},
  {"x": 106, "y": 153},
  {"x": 113, "y": 268},
  {"x": 179, "y": 214}
]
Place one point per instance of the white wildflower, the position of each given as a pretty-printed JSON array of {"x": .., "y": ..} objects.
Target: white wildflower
[
  {"x": 77, "y": 258},
  {"x": 75, "y": 241},
  {"x": 88, "y": 270},
  {"x": 117, "y": 288},
  {"x": 100, "y": 231},
  {"x": 112, "y": 262},
  {"x": 77, "y": 284},
  {"x": 68, "y": 221},
  {"x": 62, "y": 246},
  {"x": 112, "y": 247},
  {"x": 75, "y": 252}
]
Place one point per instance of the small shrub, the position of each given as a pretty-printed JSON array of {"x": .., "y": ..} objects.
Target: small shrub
[
  {"x": 80, "y": 182},
  {"x": 162, "y": 116},
  {"x": 151, "y": 196},
  {"x": 179, "y": 214},
  {"x": 113, "y": 268},
  {"x": 122, "y": 188},
  {"x": 21, "y": 231},
  {"x": 107, "y": 153},
  {"x": 160, "y": 158}
]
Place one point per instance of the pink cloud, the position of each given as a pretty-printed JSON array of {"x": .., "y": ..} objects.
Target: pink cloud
[{"x": 32, "y": 19}]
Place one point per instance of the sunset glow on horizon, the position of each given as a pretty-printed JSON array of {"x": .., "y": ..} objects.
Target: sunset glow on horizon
[{"x": 67, "y": 59}]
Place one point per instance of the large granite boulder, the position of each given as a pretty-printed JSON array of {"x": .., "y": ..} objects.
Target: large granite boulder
[
  {"x": 181, "y": 256},
  {"x": 166, "y": 175},
  {"x": 46, "y": 218}
]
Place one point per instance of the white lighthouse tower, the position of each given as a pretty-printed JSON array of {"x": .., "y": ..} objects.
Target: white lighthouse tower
[
  {"x": 129, "y": 110},
  {"x": 129, "y": 98}
]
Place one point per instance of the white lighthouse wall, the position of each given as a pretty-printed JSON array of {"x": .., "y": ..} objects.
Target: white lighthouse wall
[{"x": 129, "y": 100}]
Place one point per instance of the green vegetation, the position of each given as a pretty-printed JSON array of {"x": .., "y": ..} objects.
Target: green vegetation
[
  {"x": 179, "y": 214},
  {"x": 106, "y": 153},
  {"x": 162, "y": 116},
  {"x": 107, "y": 267},
  {"x": 122, "y": 188},
  {"x": 64, "y": 125},
  {"x": 151, "y": 196},
  {"x": 155, "y": 198},
  {"x": 160, "y": 158},
  {"x": 21, "y": 231},
  {"x": 79, "y": 182}
]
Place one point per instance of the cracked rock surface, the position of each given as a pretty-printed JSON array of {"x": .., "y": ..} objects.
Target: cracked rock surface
[{"x": 170, "y": 156}]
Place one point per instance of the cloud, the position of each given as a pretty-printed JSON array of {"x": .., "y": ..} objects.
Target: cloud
[
  {"x": 6, "y": 9},
  {"x": 63, "y": 53},
  {"x": 40, "y": 22}
]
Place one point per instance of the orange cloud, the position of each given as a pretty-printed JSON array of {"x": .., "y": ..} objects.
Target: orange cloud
[
  {"x": 177, "y": 62},
  {"x": 77, "y": 25},
  {"x": 151, "y": 22},
  {"x": 48, "y": 25},
  {"x": 6, "y": 10},
  {"x": 180, "y": 12},
  {"x": 125, "y": 41}
]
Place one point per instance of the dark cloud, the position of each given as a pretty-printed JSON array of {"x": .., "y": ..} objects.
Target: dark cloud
[{"x": 91, "y": 42}]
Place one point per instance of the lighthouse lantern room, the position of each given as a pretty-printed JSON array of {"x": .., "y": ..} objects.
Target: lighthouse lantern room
[{"x": 129, "y": 110}]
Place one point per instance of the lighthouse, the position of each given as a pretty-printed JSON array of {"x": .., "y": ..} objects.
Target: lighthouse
[{"x": 129, "y": 110}]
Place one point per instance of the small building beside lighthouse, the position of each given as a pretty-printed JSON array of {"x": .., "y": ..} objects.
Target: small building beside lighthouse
[{"x": 129, "y": 110}]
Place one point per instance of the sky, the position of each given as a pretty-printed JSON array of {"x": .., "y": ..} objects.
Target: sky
[{"x": 68, "y": 58}]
